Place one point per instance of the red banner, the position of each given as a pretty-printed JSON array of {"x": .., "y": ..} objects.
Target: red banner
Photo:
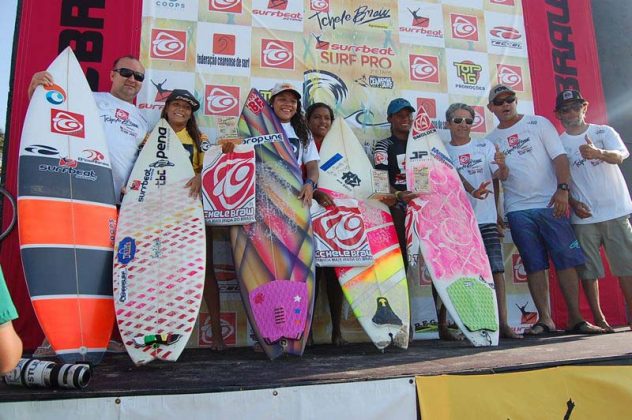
[
  {"x": 98, "y": 31},
  {"x": 563, "y": 55}
]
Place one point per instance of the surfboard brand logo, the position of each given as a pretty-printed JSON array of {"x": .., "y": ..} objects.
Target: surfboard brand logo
[
  {"x": 267, "y": 138},
  {"x": 92, "y": 155},
  {"x": 121, "y": 114},
  {"x": 135, "y": 185},
  {"x": 123, "y": 284},
  {"x": 168, "y": 44},
  {"x": 464, "y": 27},
  {"x": 142, "y": 189},
  {"x": 42, "y": 149},
  {"x": 441, "y": 157},
  {"x": 319, "y": 5},
  {"x": 232, "y": 184},
  {"x": 468, "y": 71},
  {"x": 519, "y": 272},
  {"x": 510, "y": 76},
  {"x": 345, "y": 229},
  {"x": 424, "y": 68},
  {"x": 505, "y": 32},
  {"x": 224, "y": 44},
  {"x": 277, "y": 53},
  {"x": 55, "y": 94},
  {"x": 255, "y": 104},
  {"x": 126, "y": 250},
  {"x": 88, "y": 175},
  {"x": 228, "y": 6},
  {"x": 161, "y": 163},
  {"x": 222, "y": 100},
  {"x": 67, "y": 162},
  {"x": 67, "y": 123}
]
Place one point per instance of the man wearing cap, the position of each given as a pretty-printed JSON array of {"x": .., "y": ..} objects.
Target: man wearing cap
[
  {"x": 124, "y": 126},
  {"x": 389, "y": 154},
  {"x": 599, "y": 197},
  {"x": 536, "y": 204}
]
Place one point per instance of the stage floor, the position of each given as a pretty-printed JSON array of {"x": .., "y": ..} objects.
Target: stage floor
[{"x": 204, "y": 371}]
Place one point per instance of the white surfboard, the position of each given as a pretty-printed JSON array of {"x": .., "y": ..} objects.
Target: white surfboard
[{"x": 159, "y": 257}]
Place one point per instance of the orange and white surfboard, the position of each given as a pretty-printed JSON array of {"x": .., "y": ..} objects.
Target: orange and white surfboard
[{"x": 67, "y": 215}]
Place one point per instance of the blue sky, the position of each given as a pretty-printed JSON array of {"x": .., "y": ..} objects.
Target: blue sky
[{"x": 7, "y": 22}]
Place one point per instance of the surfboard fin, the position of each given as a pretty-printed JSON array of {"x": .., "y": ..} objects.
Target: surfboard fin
[
  {"x": 384, "y": 314},
  {"x": 156, "y": 340}
]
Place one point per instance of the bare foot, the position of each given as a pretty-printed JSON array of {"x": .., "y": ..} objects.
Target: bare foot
[
  {"x": 337, "y": 340},
  {"x": 447, "y": 334},
  {"x": 606, "y": 327},
  {"x": 218, "y": 345},
  {"x": 507, "y": 332}
]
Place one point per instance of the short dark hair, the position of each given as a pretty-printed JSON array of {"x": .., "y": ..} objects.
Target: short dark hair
[
  {"x": 313, "y": 107},
  {"x": 131, "y": 57}
]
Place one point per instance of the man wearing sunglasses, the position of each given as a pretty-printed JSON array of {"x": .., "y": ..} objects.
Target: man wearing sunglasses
[
  {"x": 599, "y": 197},
  {"x": 124, "y": 126},
  {"x": 478, "y": 163},
  {"x": 536, "y": 204}
]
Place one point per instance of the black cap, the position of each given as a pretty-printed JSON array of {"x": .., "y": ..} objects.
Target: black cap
[
  {"x": 186, "y": 96},
  {"x": 568, "y": 95}
]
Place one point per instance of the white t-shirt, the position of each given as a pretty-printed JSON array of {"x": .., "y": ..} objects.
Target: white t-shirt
[
  {"x": 474, "y": 162},
  {"x": 125, "y": 128},
  {"x": 596, "y": 183},
  {"x": 529, "y": 146},
  {"x": 302, "y": 155}
]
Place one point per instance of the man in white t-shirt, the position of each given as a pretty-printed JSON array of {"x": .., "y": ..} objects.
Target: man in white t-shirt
[
  {"x": 536, "y": 206},
  {"x": 599, "y": 197},
  {"x": 478, "y": 162},
  {"x": 124, "y": 126}
]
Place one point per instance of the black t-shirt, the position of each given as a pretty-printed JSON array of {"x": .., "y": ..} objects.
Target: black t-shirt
[{"x": 390, "y": 154}]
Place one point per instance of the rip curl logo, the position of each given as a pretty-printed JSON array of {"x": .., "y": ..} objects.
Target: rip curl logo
[
  {"x": 231, "y": 181},
  {"x": 224, "y": 44},
  {"x": 67, "y": 123},
  {"x": 42, "y": 149},
  {"x": 55, "y": 94},
  {"x": 228, "y": 6},
  {"x": 422, "y": 124},
  {"x": 344, "y": 228},
  {"x": 168, "y": 44},
  {"x": 464, "y": 27},
  {"x": 319, "y": 5},
  {"x": 510, "y": 76},
  {"x": 424, "y": 68},
  {"x": 222, "y": 100},
  {"x": 429, "y": 105},
  {"x": 277, "y": 54},
  {"x": 277, "y": 4}
]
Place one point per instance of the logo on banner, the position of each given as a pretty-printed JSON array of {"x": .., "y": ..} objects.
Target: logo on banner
[
  {"x": 505, "y": 37},
  {"x": 224, "y": 44},
  {"x": 422, "y": 125},
  {"x": 67, "y": 162},
  {"x": 42, "y": 149},
  {"x": 464, "y": 27},
  {"x": 320, "y": 44},
  {"x": 228, "y": 322},
  {"x": 232, "y": 181},
  {"x": 319, "y": 5},
  {"x": 55, "y": 94},
  {"x": 344, "y": 228},
  {"x": 464, "y": 159},
  {"x": 277, "y": 54},
  {"x": 228, "y": 6},
  {"x": 510, "y": 76},
  {"x": 222, "y": 100},
  {"x": 468, "y": 71},
  {"x": 277, "y": 4},
  {"x": 424, "y": 68},
  {"x": 161, "y": 93},
  {"x": 519, "y": 273},
  {"x": 419, "y": 21},
  {"x": 168, "y": 44},
  {"x": 67, "y": 123},
  {"x": 429, "y": 105},
  {"x": 478, "y": 126},
  {"x": 503, "y": 2},
  {"x": 362, "y": 15}
]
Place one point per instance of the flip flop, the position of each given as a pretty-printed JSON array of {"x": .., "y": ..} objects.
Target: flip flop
[
  {"x": 583, "y": 327},
  {"x": 546, "y": 330}
]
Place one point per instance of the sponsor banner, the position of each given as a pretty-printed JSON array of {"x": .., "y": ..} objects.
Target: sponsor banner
[
  {"x": 156, "y": 89},
  {"x": 351, "y": 16},
  {"x": 465, "y": 28},
  {"x": 566, "y": 392},
  {"x": 168, "y": 44},
  {"x": 228, "y": 186},
  {"x": 284, "y": 15},
  {"x": 505, "y": 34},
  {"x": 468, "y": 72},
  {"x": 340, "y": 235},
  {"x": 223, "y": 49},
  {"x": 228, "y": 323},
  {"x": 171, "y": 9},
  {"x": 234, "y": 12},
  {"x": 421, "y": 23}
]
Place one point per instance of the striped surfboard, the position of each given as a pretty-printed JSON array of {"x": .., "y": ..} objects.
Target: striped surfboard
[{"x": 67, "y": 215}]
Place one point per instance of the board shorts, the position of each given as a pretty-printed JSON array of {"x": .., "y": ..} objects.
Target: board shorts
[
  {"x": 538, "y": 235},
  {"x": 493, "y": 248},
  {"x": 616, "y": 237}
]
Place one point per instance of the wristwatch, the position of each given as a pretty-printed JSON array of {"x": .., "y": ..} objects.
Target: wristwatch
[
  {"x": 563, "y": 186},
  {"x": 311, "y": 182}
]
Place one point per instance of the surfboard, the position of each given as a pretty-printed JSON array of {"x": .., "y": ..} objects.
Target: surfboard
[
  {"x": 449, "y": 239},
  {"x": 67, "y": 215},
  {"x": 274, "y": 256},
  {"x": 378, "y": 293},
  {"x": 160, "y": 251}
]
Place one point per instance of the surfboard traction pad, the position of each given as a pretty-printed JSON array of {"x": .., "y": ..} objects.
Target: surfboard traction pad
[
  {"x": 279, "y": 308},
  {"x": 473, "y": 300},
  {"x": 170, "y": 303}
]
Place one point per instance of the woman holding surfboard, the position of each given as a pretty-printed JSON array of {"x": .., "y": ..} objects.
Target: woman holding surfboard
[
  {"x": 319, "y": 117},
  {"x": 179, "y": 111}
]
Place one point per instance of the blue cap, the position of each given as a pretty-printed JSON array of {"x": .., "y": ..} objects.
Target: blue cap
[{"x": 397, "y": 105}]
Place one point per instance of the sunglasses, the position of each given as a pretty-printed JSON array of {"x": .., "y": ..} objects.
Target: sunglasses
[
  {"x": 507, "y": 100},
  {"x": 459, "y": 120},
  {"x": 574, "y": 106},
  {"x": 125, "y": 72}
]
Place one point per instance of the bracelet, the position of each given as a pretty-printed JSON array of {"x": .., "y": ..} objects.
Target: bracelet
[{"x": 311, "y": 182}]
